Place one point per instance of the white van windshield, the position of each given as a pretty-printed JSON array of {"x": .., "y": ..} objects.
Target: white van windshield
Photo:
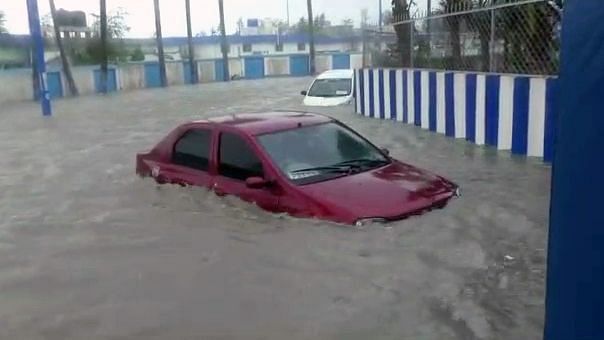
[{"x": 331, "y": 88}]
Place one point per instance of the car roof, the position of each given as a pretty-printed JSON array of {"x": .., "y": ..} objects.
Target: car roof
[
  {"x": 267, "y": 122},
  {"x": 336, "y": 74}
]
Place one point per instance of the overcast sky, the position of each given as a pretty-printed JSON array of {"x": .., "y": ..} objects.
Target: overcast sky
[{"x": 204, "y": 12}]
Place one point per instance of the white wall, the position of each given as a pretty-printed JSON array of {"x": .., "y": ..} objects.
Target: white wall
[
  {"x": 236, "y": 50},
  {"x": 206, "y": 71},
  {"x": 83, "y": 76},
  {"x": 15, "y": 85},
  {"x": 276, "y": 66},
  {"x": 131, "y": 76},
  {"x": 175, "y": 73}
]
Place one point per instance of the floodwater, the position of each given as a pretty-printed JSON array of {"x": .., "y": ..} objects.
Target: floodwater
[{"x": 88, "y": 250}]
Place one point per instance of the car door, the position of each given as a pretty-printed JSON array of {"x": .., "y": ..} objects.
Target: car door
[
  {"x": 237, "y": 161},
  {"x": 190, "y": 159}
]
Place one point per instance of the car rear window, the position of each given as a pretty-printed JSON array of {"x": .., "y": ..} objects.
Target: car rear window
[
  {"x": 193, "y": 149},
  {"x": 237, "y": 160}
]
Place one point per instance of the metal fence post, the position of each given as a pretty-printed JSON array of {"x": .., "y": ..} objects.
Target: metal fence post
[{"x": 492, "y": 43}]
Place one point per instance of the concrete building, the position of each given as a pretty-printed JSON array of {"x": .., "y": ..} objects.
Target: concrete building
[{"x": 208, "y": 47}]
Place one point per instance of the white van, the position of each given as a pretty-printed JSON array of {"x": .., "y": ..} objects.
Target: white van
[{"x": 330, "y": 88}]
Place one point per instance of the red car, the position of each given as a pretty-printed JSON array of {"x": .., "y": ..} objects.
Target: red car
[{"x": 303, "y": 164}]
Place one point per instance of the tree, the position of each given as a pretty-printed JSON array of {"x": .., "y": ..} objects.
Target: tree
[
  {"x": 137, "y": 54},
  {"x": 311, "y": 35},
  {"x": 401, "y": 12},
  {"x": 454, "y": 24},
  {"x": 103, "y": 34},
  {"x": 115, "y": 50},
  {"x": 223, "y": 42},
  {"x": 192, "y": 67},
  {"x": 160, "y": 45},
  {"x": 117, "y": 26},
  {"x": 66, "y": 67},
  {"x": 320, "y": 23},
  {"x": 3, "y": 28}
]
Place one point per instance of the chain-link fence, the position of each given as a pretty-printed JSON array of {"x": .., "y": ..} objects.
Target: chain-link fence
[{"x": 477, "y": 35}]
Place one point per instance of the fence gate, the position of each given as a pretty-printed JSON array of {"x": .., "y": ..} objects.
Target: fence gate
[
  {"x": 254, "y": 67},
  {"x": 152, "y": 78},
  {"x": 299, "y": 65},
  {"x": 341, "y": 61},
  {"x": 111, "y": 80},
  {"x": 55, "y": 85}
]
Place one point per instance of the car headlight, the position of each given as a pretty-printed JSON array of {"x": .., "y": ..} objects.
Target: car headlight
[
  {"x": 366, "y": 221},
  {"x": 457, "y": 192}
]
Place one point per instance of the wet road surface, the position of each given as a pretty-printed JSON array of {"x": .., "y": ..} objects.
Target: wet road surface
[{"x": 90, "y": 251}]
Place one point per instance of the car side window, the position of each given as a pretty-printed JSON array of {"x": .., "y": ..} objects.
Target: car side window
[
  {"x": 193, "y": 149},
  {"x": 237, "y": 160}
]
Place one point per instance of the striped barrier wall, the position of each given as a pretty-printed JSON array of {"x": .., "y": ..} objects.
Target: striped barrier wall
[{"x": 510, "y": 112}]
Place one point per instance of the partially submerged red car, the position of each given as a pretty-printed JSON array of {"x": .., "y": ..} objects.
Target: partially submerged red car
[{"x": 303, "y": 164}]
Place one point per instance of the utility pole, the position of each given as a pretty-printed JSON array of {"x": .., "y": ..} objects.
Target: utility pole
[
  {"x": 38, "y": 55},
  {"x": 192, "y": 66},
  {"x": 104, "y": 66},
  {"x": 224, "y": 45},
  {"x": 160, "y": 45},
  {"x": 311, "y": 34}
]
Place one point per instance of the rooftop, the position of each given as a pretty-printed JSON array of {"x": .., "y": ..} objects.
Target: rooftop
[
  {"x": 261, "y": 123},
  {"x": 336, "y": 74}
]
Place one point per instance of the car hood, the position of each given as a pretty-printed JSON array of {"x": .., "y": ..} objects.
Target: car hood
[
  {"x": 326, "y": 101},
  {"x": 392, "y": 192}
]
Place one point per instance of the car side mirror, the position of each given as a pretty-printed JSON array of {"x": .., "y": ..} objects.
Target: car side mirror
[
  {"x": 385, "y": 151},
  {"x": 256, "y": 182},
  {"x": 304, "y": 93}
]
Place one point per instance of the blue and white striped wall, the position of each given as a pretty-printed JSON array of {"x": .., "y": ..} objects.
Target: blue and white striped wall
[{"x": 514, "y": 113}]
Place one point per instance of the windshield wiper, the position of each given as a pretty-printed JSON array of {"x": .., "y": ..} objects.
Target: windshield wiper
[
  {"x": 363, "y": 162},
  {"x": 335, "y": 169}
]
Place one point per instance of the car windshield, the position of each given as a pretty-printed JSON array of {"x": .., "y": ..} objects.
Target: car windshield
[
  {"x": 320, "y": 152},
  {"x": 330, "y": 88}
]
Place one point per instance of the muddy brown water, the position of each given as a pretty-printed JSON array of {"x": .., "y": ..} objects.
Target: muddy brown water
[{"x": 90, "y": 251}]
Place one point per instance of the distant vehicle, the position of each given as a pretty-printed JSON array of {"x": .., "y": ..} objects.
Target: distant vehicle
[
  {"x": 330, "y": 88},
  {"x": 303, "y": 164}
]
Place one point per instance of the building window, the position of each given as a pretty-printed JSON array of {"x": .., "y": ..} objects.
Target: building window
[
  {"x": 301, "y": 46},
  {"x": 247, "y": 47},
  {"x": 279, "y": 47}
]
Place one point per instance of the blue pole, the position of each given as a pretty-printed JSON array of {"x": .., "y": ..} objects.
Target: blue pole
[
  {"x": 575, "y": 274},
  {"x": 38, "y": 54}
]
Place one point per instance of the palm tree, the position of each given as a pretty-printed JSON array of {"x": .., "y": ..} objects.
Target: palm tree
[
  {"x": 64, "y": 61},
  {"x": 192, "y": 67},
  {"x": 224, "y": 46},
  {"x": 2, "y": 23},
  {"x": 160, "y": 45},
  {"x": 311, "y": 34},
  {"x": 104, "y": 66}
]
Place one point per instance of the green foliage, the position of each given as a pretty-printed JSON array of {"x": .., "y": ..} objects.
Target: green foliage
[
  {"x": 92, "y": 54},
  {"x": 3, "y": 28},
  {"x": 137, "y": 54},
  {"x": 320, "y": 23},
  {"x": 116, "y": 24}
]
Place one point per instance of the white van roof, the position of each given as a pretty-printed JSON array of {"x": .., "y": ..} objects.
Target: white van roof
[{"x": 336, "y": 74}]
